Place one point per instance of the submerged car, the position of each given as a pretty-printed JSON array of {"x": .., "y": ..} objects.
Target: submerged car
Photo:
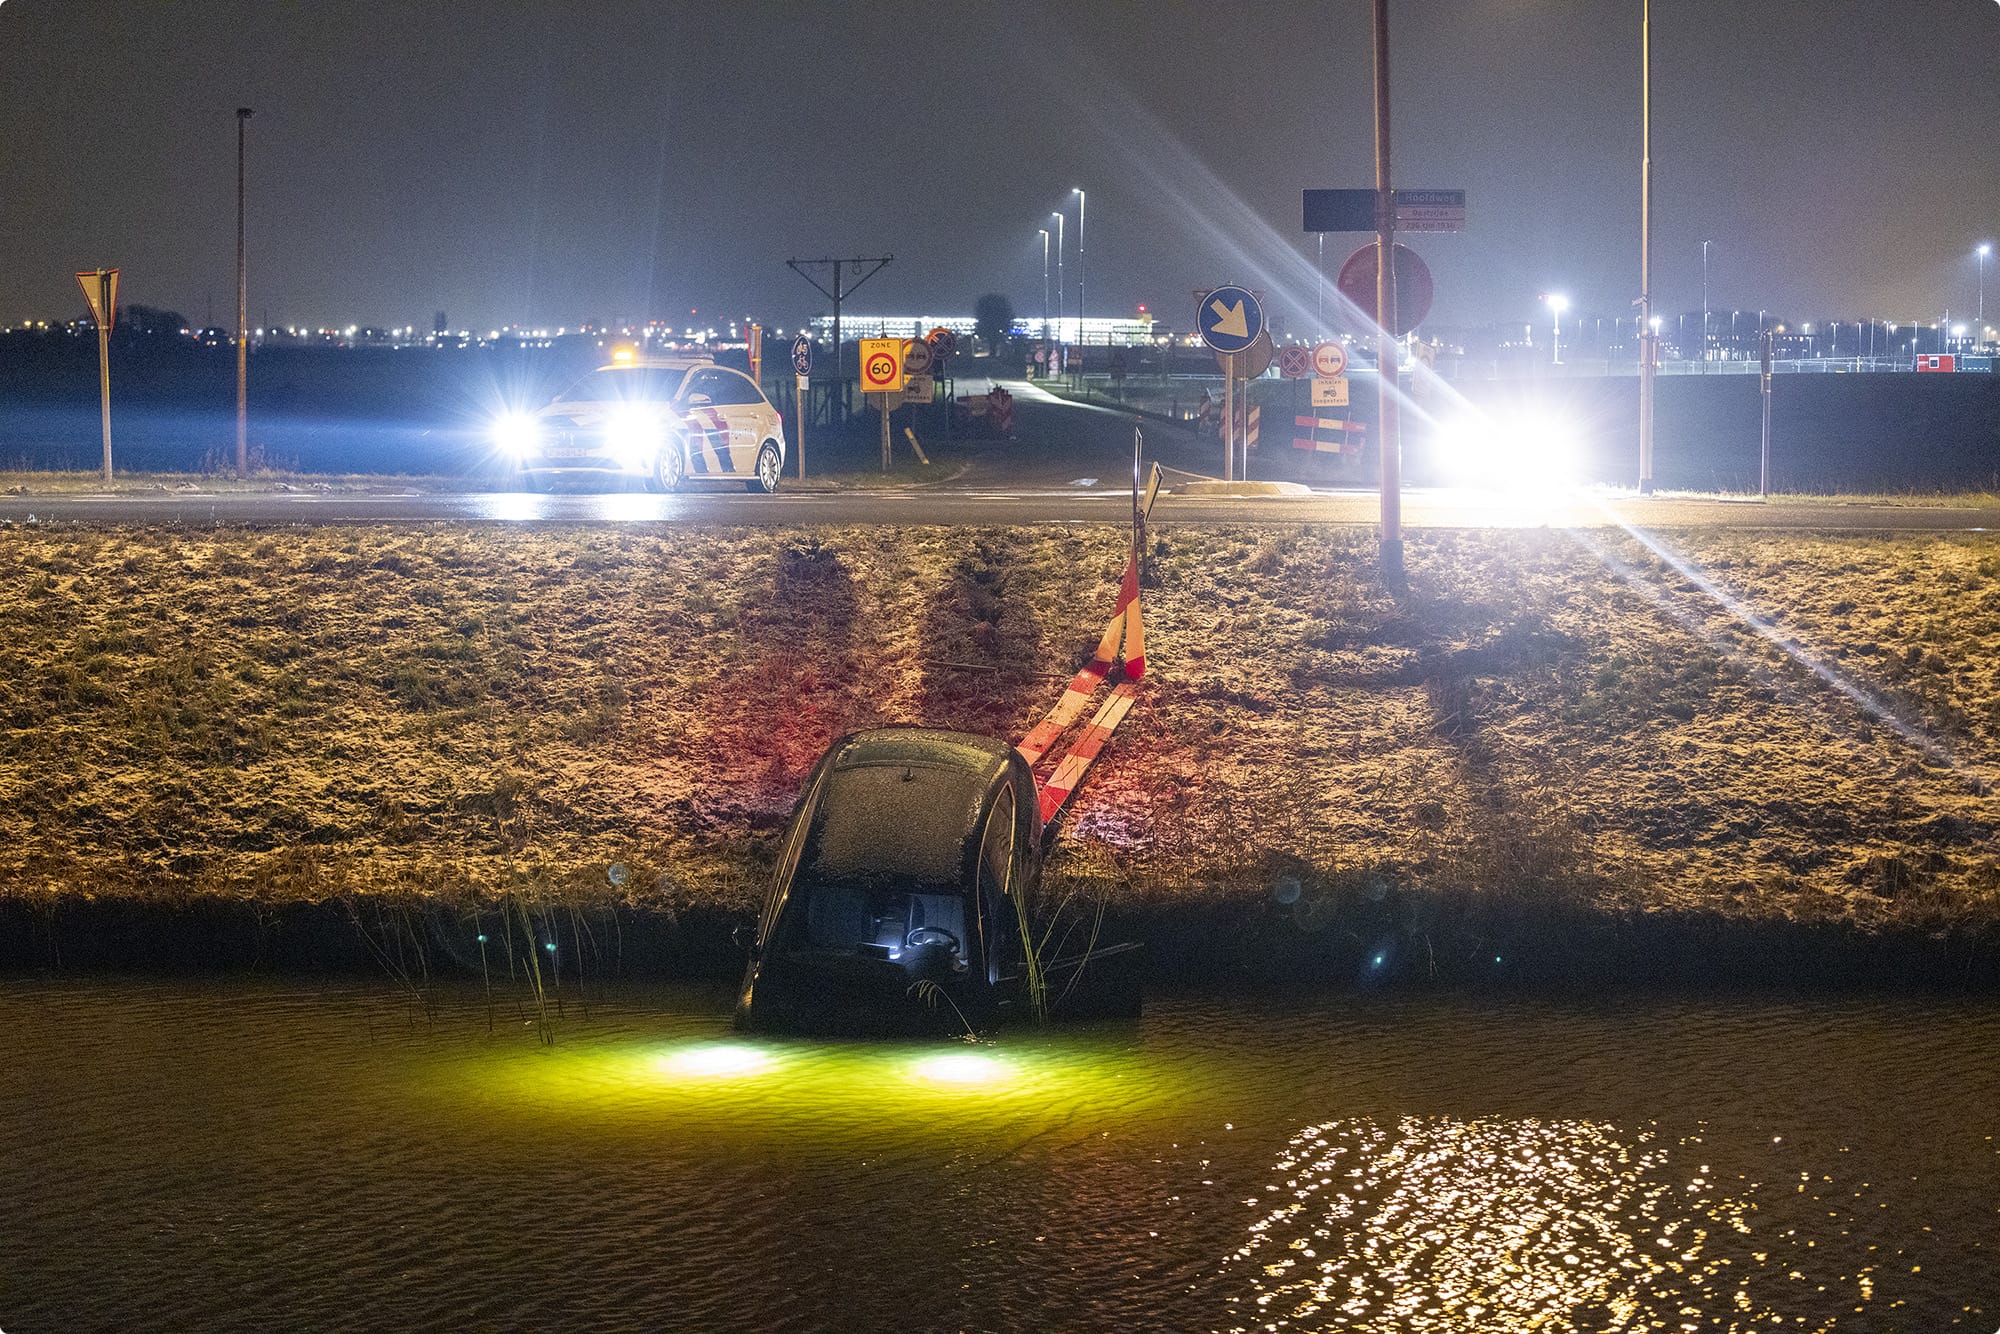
[
  {"x": 659, "y": 420},
  {"x": 903, "y": 891}
]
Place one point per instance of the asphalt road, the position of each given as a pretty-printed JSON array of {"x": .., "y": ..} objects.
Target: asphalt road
[
  {"x": 1068, "y": 464},
  {"x": 945, "y": 505}
]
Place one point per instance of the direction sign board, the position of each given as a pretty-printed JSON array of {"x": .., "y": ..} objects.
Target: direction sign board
[
  {"x": 1230, "y": 319},
  {"x": 1340, "y": 210},
  {"x": 1430, "y": 210},
  {"x": 1413, "y": 285},
  {"x": 916, "y": 356},
  {"x": 1329, "y": 359},
  {"x": 802, "y": 355},
  {"x": 1330, "y": 391},
  {"x": 1295, "y": 362},
  {"x": 881, "y": 365}
]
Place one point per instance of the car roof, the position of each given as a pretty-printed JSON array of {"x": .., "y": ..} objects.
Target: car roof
[{"x": 659, "y": 364}]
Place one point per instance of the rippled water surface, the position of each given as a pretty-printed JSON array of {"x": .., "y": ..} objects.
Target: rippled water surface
[{"x": 210, "y": 1156}]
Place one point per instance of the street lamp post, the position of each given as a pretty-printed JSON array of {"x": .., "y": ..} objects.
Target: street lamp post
[
  {"x": 1558, "y": 303},
  {"x": 1985, "y": 249},
  {"x": 1080, "y": 273},
  {"x": 1704, "y": 305},
  {"x": 1045, "y": 282},
  {"x": 1059, "y": 275}
]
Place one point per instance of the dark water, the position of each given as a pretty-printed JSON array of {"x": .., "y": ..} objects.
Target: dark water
[{"x": 215, "y": 1156}]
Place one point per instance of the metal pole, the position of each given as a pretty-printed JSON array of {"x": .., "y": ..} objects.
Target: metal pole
[
  {"x": 1059, "y": 282},
  {"x": 1080, "y": 275},
  {"x": 1319, "y": 281},
  {"x": 1646, "y": 249},
  {"x": 1229, "y": 416},
  {"x": 242, "y": 314},
  {"x": 839, "y": 359},
  {"x": 1389, "y": 439},
  {"x": 1764, "y": 464},
  {"x": 1704, "y": 307},
  {"x": 104, "y": 369},
  {"x": 1045, "y": 283},
  {"x": 803, "y": 389}
]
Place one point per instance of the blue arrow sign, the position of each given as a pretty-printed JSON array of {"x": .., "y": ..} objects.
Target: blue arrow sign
[
  {"x": 802, "y": 355},
  {"x": 1229, "y": 319}
]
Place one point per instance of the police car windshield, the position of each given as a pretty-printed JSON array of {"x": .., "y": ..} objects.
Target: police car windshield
[{"x": 634, "y": 384}]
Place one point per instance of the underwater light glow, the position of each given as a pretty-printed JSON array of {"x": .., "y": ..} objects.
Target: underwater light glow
[
  {"x": 720, "y": 1058},
  {"x": 961, "y": 1067}
]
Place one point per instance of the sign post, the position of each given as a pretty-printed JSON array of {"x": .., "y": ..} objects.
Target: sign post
[
  {"x": 802, "y": 365},
  {"x": 882, "y": 380},
  {"x": 100, "y": 289},
  {"x": 1230, "y": 320}
]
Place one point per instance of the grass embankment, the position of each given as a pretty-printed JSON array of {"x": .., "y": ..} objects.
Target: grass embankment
[{"x": 1551, "y": 726}]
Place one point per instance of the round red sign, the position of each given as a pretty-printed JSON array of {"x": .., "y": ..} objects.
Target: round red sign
[{"x": 1413, "y": 285}]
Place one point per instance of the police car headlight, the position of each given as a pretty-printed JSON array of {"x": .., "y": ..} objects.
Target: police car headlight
[
  {"x": 633, "y": 433},
  {"x": 516, "y": 433}
]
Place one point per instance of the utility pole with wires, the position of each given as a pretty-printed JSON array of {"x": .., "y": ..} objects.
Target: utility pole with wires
[{"x": 839, "y": 294}]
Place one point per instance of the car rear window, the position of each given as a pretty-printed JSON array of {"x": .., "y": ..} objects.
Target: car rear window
[{"x": 904, "y": 822}]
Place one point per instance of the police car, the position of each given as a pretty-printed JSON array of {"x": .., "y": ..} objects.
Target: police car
[{"x": 663, "y": 420}]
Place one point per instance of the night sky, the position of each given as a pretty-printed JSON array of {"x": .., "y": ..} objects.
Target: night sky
[{"x": 549, "y": 163}]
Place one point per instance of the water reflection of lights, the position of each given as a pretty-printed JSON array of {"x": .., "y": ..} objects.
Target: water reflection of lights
[{"x": 1432, "y": 1223}]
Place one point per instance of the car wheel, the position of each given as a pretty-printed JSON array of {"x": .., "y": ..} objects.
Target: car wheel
[
  {"x": 670, "y": 468},
  {"x": 769, "y": 464}
]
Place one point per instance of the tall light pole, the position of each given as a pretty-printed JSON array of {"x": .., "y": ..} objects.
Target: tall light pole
[
  {"x": 1558, "y": 303},
  {"x": 1080, "y": 273},
  {"x": 1059, "y": 275},
  {"x": 242, "y": 315},
  {"x": 1985, "y": 249},
  {"x": 1646, "y": 248},
  {"x": 1045, "y": 282},
  {"x": 1704, "y": 306}
]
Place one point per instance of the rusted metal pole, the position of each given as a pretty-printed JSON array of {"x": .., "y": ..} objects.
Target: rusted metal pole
[{"x": 1388, "y": 436}]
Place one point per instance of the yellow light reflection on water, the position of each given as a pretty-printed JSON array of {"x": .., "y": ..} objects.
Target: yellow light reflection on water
[
  {"x": 961, "y": 1068},
  {"x": 718, "y": 1059},
  {"x": 753, "y": 1089}
]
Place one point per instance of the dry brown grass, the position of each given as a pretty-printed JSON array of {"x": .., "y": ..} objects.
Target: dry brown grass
[{"x": 284, "y": 714}]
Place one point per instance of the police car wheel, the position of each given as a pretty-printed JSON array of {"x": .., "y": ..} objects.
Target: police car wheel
[
  {"x": 669, "y": 469},
  {"x": 769, "y": 464}
]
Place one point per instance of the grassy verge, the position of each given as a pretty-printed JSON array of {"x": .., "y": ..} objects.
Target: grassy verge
[{"x": 1553, "y": 727}]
